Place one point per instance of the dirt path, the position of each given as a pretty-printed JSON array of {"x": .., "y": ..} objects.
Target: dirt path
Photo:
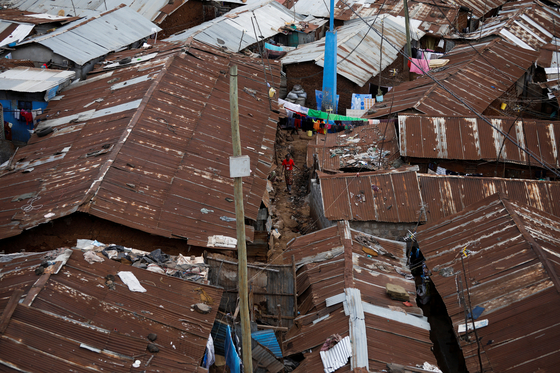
[{"x": 290, "y": 211}]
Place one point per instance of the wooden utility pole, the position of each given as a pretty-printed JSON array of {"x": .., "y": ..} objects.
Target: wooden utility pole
[
  {"x": 240, "y": 225},
  {"x": 407, "y": 30}
]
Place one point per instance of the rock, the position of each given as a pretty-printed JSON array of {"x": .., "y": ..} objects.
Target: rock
[
  {"x": 202, "y": 308},
  {"x": 152, "y": 336},
  {"x": 396, "y": 292},
  {"x": 153, "y": 348},
  {"x": 39, "y": 270}
]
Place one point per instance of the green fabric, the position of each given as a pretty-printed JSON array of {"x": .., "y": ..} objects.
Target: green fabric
[{"x": 322, "y": 115}]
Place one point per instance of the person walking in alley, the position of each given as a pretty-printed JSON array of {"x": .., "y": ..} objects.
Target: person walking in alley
[{"x": 287, "y": 168}]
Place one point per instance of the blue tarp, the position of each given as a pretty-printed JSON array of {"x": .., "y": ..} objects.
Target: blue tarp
[
  {"x": 232, "y": 358},
  {"x": 268, "y": 339},
  {"x": 273, "y": 47},
  {"x": 319, "y": 100}
]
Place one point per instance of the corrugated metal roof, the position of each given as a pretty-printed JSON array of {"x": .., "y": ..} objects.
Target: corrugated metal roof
[
  {"x": 76, "y": 323},
  {"x": 510, "y": 271},
  {"x": 13, "y": 32},
  {"x": 162, "y": 167},
  {"x": 326, "y": 278},
  {"x": 234, "y": 30},
  {"x": 480, "y": 8},
  {"x": 342, "y": 150},
  {"x": 361, "y": 45},
  {"x": 268, "y": 339},
  {"x": 372, "y": 196},
  {"x": 85, "y": 41},
  {"x": 266, "y": 359},
  {"x": 148, "y": 9},
  {"x": 424, "y": 15},
  {"x": 478, "y": 77},
  {"x": 473, "y": 139},
  {"x": 30, "y": 79},
  {"x": 21, "y": 16},
  {"x": 526, "y": 24},
  {"x": 447, "y": 195}
]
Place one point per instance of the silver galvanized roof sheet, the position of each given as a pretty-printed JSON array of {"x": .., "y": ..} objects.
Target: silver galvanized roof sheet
[
  {"x": 19, "y": 33},
  {"x": 148, "y": 9},
  {"x": 29, "y": 79},
  {"x": 359, "y": 45},
  {"x": 84, "y": 41},
  {"x": 234, "y": 30}
]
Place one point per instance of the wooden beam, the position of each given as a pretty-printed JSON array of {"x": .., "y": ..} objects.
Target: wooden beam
[
  {"x": 280, "y": 328},
  {"x": 9, "y": 310}
]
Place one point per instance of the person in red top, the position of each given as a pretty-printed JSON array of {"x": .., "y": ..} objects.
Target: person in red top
[{"x": 288, "y": 167}]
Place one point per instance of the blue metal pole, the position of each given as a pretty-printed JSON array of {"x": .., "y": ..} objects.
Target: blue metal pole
[{"x": 329, "y": 67}]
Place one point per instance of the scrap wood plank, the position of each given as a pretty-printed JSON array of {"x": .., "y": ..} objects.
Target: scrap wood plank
[{"x": 9, "y": 310}]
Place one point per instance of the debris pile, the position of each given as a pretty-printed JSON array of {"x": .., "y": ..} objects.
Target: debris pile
[{"x": 188, "y": 268}]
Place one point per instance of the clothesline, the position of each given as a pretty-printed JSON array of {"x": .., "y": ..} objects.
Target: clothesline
[{"x": 316, "y": 113}]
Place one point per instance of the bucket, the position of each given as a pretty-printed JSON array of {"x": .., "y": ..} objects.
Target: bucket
[
  {"x": 503, "y": 106},
  {"x": 310, "y": 133}
]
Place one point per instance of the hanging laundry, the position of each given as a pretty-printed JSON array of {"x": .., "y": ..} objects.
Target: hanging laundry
[{"x": 419, "y": 66}]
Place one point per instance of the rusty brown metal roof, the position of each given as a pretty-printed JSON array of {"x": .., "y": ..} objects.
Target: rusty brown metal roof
[
  {"x": 76, "y": 323},
  {"x": 433, "y": 18},
  {"x": 462, "y": 138},
  {"x": 147, "y": 145},
  {"x": 447, "y": 195},
  {"x": 330, "y": 262},
  {"x": 33, "y": 18},
  {"x": 528, "y": 24},
  {"x": 480, "y": 8},
  {"x": 345, "y": 150},
  {"x": 510, "y": 271},
  {"x": 392, "y": 196},
  {"x": 476, "y": 76}
]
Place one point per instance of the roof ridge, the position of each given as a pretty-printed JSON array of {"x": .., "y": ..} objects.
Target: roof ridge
[
  {"x": 91, "y": 193},
  {"x": 529, "y": 238}
]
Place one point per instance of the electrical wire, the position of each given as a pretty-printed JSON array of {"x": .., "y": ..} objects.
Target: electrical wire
[
  {"x": 354, "y": 49},
  {"x": 465, "y": 104}
]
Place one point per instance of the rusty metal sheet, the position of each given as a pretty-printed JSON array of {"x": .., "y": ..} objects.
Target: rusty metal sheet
[
  {"x": 447, "y": 195},
  {"x": 462, "y": 138},
  {"x": 158, "y": 167},
  {"x": 33, "y": 18},
  {"x": 335, "y": 151},
  {"x": 372, "y": 196},
  {"x": 527, "y": 24},
  {"x": 502, "y": 64},
  {"x": 510, "y": 270},
  {"x": 94, "y": 326},
  {"x": 433, "y": 17}
]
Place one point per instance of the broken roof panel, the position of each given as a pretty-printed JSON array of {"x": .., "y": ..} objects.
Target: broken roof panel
[
  {"x": 526, "y": 24},
  {"x": 447, "y": 195},
  {"x": 233, "y": 30},
  {"x": 509, "y": 272},
  {"x": 424, "y": 15},
  {"x": 94, "y": 326},
  {"x": 392, "y": 196},
  {"x": 150, "y": 153},
  {"x": 339, "y": 285},
  {"x": 367, "y": 147},
  {"x": 473, "y": 139},
  {"x": 21, "y": 16},
  {"x": 477, "y": 73},
  {"x": 85, "y": 41},
  {"x": 358, "y": 48},
  {"x": 29, "y": 79}
]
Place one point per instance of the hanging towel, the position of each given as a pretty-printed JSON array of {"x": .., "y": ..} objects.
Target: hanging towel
[{"x": 419, "y": 66}]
